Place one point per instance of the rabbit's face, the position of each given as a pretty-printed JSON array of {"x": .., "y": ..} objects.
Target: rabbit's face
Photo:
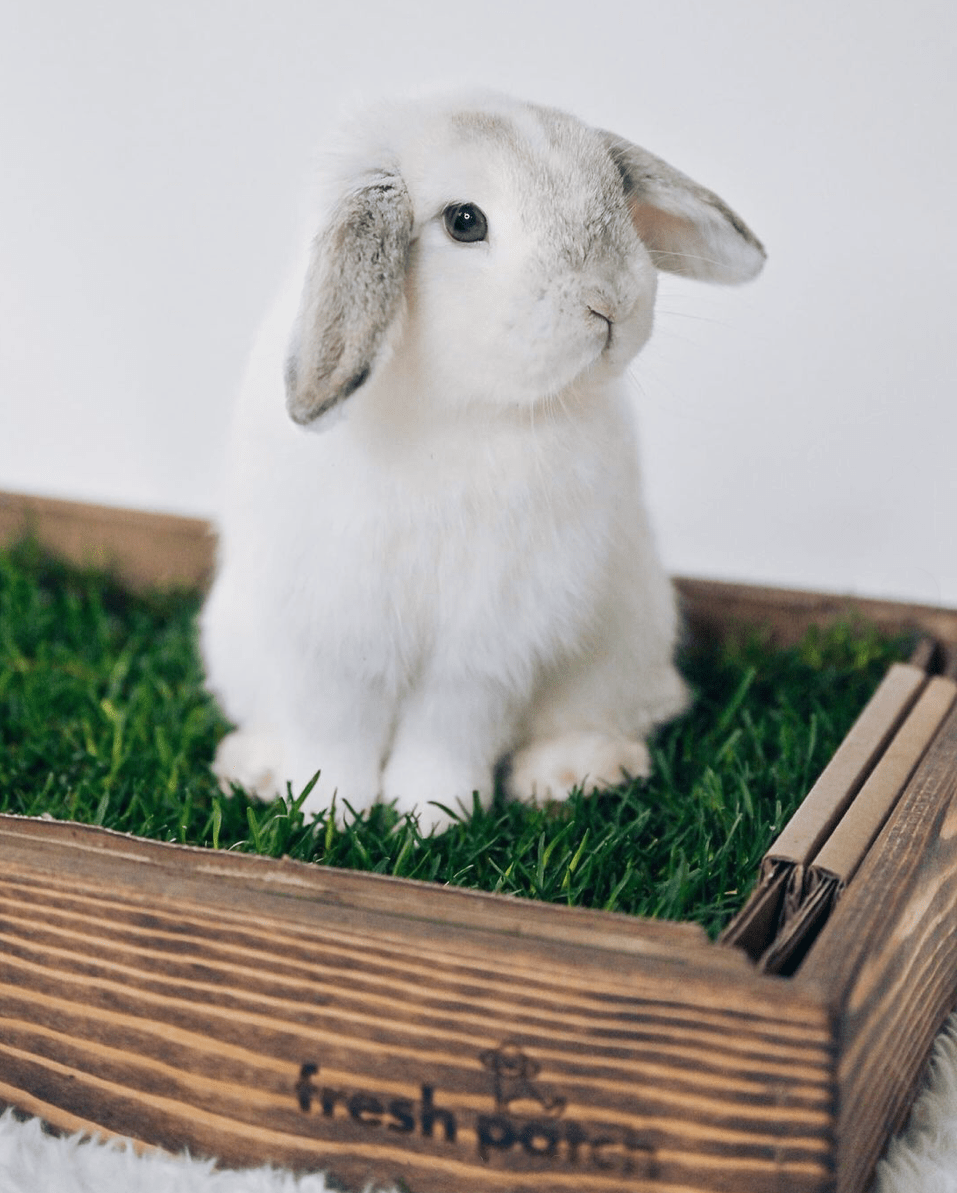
[
  {"x": 526, "y": 271},
  {"x": 492, "y": 251}
]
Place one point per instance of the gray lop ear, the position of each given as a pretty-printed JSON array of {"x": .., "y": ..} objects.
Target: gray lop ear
[
  {"x": 353, "y": 291},
  {"x": 686, "y": 228}
]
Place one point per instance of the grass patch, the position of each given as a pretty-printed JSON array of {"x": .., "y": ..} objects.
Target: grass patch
[{"x": 103, "y": 720}]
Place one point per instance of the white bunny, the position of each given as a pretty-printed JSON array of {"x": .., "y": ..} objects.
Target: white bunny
[{"x": 434, "y": 557}]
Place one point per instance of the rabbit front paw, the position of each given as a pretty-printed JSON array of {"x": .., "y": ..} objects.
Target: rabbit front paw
[
  {"x": 425, "y": 784},
  {"x": 253, "y": 760},
  {"x": 248, "y": 758},
  {"x": 593, "y": 761}
]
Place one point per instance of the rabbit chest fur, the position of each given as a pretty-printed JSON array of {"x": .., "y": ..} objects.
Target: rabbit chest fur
[{"x": 434, "y": 558}]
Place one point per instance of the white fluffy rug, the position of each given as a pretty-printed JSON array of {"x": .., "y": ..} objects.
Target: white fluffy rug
[
  {"x": 922, "y": 1159},
  {"x": 34, "y": 1162}
]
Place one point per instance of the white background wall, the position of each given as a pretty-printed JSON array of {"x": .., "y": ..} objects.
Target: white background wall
[{"x": 801, "y": 430}]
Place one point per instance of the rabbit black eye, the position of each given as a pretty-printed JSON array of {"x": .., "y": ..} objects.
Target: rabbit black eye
[{"x": 465, "y": 222}]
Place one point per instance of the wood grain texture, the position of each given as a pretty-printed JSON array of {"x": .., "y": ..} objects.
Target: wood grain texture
[
  {"x": 255, "y": 1018},
  {"x": 886, "y": 962}
]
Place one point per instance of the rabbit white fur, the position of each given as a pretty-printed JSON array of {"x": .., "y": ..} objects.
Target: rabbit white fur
[{"x": 455, "y": 569}]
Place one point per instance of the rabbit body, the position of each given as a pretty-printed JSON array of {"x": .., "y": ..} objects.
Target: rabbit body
[{"x": 434, "y": 556}]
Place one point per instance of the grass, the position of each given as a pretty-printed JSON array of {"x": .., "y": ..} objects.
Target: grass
[{"x": 103, "y": 720}]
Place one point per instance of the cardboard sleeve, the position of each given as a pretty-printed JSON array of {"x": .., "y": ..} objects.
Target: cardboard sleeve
[{"x": 818, "y": 852}]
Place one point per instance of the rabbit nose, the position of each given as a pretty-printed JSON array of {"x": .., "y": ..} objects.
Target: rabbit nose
[
  {"x": 601, "y": 308},
  {"x": 600, "y": 301}
]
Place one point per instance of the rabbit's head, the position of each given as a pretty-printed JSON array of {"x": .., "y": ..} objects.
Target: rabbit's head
[{"x": 496, "y": 252}]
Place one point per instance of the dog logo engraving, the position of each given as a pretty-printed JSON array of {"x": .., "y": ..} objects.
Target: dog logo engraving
[{"x": 513, "y": 1080}]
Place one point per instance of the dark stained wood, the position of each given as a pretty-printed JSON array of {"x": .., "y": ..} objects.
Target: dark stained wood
[
  {"x": 262, "y": 1010},
  {"x": 886, "y": 963}
]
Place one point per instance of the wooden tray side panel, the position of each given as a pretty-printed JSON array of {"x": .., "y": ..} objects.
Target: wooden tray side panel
[
  {"x": 377, "y": 1049},
  {"x": 714, "y": 609},
  {"x": 887, "y": 964},
  {"x": 144, "y": 549}
]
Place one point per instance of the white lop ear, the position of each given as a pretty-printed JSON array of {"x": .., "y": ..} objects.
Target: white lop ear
[
  {"x": 686, "y": 228},
  {"x": 353, "y": 291}
]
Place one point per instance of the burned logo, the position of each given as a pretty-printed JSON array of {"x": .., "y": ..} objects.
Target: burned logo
[
  {"x": 513, "y": 1074},
  {"x": 527, "y": 1119}
]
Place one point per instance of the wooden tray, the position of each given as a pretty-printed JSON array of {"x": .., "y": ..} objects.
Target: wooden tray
[{"x": 391, "y": 1031}]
